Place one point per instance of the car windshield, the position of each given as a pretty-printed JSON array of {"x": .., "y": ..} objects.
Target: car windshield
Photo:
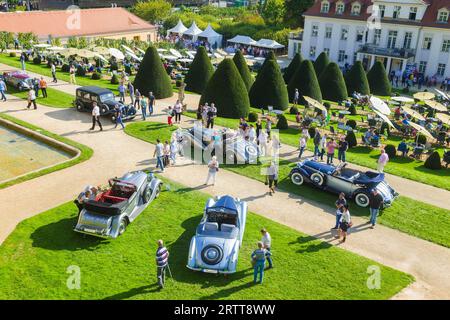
[
  {"x": 107, "y": 97},
  {"x": 29, "y": 81},
  {"x": 222, "y": 217}
]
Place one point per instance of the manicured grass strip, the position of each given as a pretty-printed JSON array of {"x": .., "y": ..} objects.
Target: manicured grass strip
[
  {"x": 35, "y": 257},
  {"x": 85, "y": 152},
  {"x": 55, "y": 99},
  {"x": 407, "y": 215}
]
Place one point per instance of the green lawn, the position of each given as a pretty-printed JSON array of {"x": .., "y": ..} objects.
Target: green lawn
[
  {"x": 35, "y": 257},
  {"x": 55, "y": 98},
  {"x": 407, "y": 215},
  {"x": 85, "y": 154}
]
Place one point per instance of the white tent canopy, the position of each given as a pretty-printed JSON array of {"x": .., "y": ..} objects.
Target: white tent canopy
[
  {"x": 193, "y": 31},
  {"x": 243, "y": 40},
  {"x": 212, "y": 36},
  {"x": 379, "y": 105},
  {"x": 269, "y": 44},
  {"x": 179, "y": 28}
]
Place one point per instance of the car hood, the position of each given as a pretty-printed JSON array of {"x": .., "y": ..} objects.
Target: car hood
[{"x": 227, "y": 246}]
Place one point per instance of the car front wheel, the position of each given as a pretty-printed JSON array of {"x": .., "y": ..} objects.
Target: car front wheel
[
  {"x": 297, "y": 178},
  {"x": 317, "y": 179},
  {"x": 123, "y": 226},
  {"x": 79, "y": 107},
  {"x": 362, "y": 199}
]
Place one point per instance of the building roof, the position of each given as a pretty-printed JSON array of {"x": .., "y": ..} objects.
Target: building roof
[
  {"x": 429, "y": 19},
  {"x": 58, "y": 23}
]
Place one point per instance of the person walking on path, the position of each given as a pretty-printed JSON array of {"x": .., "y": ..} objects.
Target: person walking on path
[
  {"x": 137, "y": 102},
  {"x": 162, "y": 262},
  {"x": 259, "y": 259},
  {"x": 72, "y": 78},
  {"x": 316, "y": 140},
  {"x": 213, "y": 167},
  {"x": 159, "y": 153},
  {"x": 3, "y": 89},
  {"x": 151, "y": 102},
  {"x": 267, "y": 242},
  {"x": 345, "y": 223},
  {"x": 382, "y": 160},
  {"x": 131, "y": 91},
  {"x": 272, "y": 177},
  {"x": 43, "y": 86},
  {"x": 296, "y": 97},
  {"x": 143, "y": 105},
  {"x": 210, "y": 116},
  {"x": 53, "y": 69},
  {"x": 118, "y": 112},
  {"x": 177, "y": 108},
  {"x": 331, "y": 145},
  {"x": 122, "y": 91},
  {"x": 96, "y": 117},
  {"x": 375, "y": 202},
  {"x": 302, "y": 146},
  {"x": 31, "y": 99},
  {"x": 340, "y": 202},
  {"x": 342, "y": 149}
]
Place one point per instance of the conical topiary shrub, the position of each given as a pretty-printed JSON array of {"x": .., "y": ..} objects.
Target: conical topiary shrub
[
  {"x": 332, "y": 83},
  {"x": 351, "y": 139},
  {"x": 199, "y": 72},
  {"x": 433, "y": 161},
  {"x": 305, "y": 80},
  {"x": 227, "y": 91},
  {"x": 378, "y": 80},
  {"x": 292, "y": 67},
  {"x": 282, "y": 123},
  {"x": 356, "y": 79},
  {"x": 243, "y": 69},
  {"x": 321, "y": 63},
  {"x": 152, "y": 76},
  {"x": 390, "y": 150},
  {"x": 269, "y": 88}
]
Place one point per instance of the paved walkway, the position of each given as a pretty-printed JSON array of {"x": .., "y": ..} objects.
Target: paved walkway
[
  {"x": 116, "y": 152},
  {"x": 412, "y": 189}
]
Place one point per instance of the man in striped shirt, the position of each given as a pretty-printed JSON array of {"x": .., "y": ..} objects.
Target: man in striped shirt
[{"x": 162, "y": 259}]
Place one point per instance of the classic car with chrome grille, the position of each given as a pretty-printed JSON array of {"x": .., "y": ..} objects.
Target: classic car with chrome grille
[
  {"x": 215, "y": 246},
  {"x": 120, "y": 204},
  {"x": 355, "y": 184}
]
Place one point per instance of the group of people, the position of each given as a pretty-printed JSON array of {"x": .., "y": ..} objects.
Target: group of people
[
  {"x": 206, "y": 114},
  {"x": 247, "y": 50}
]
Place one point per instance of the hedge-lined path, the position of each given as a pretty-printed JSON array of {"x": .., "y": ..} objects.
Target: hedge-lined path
[
  {"x": 116, "y": 152},
  {"x": 412, "y": 189}
]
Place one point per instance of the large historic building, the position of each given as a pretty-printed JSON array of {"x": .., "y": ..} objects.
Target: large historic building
[{"x": 400, "y": 33}]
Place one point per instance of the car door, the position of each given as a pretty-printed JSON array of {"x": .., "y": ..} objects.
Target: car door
[{"x": 339, "y": 184}]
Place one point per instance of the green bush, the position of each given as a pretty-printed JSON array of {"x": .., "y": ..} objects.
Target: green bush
[
  {"x": 252, "y": 117},
  {"x": 269, "y": 88},
  {"x": 243, "y": 69},
  {"x": 321, "y": 63},
  {"x": 65, "y": 68},
  {"x": 12, "y": 54},
  {"x": 356, "y": 79},
  {"x": 378, "y": 80},
  {"x": 95, "y": 76},
  {"x": 385, "y": 129},
  {"x": 114, "y": 79},
  {"x": 390, "y": 150},
  {"x": 152, "y": 77},
  {"x": 351, "y": 139},
  {"x": 306, "y": 82},
  {"x": 37, "y": 60},
  {"x": 199, "y": 72},
  {"x": 113, "y": 66},
  {"x": 282, "y": 123},
  {"x": 421, "y": 139},
  {"x": 227, "y": 90},
  {"x": 327, "y": 105},
  {"x": 332, "y": 83},
  {"x": 128, "y": 70},
  {"x": 352, "y": 110},
  {"x": 81, "y": 72},
  {"x": 293, "y": 110},
  {"x": 292, "y": 68},
  {"x": 433, "y": 162},
  {"x": 351, "y": 123}
]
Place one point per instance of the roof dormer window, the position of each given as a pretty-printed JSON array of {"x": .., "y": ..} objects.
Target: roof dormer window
[
  {"x": 443, "y": 15},
  {"x": 325, "y": 7},
  {"x": 396, "y": 12},
  {"x": 356, "y": 9},
  {"x": 412, "y": 13},
  {"x": 340, "y": 8}
]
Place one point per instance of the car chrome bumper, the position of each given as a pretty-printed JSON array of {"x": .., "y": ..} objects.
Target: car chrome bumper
[
  {"x": 210, "y": 270},
  {"x": 92, "y": 232}
]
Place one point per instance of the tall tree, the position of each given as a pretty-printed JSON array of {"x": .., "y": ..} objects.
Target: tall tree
[
  {"x": 292, "y": 67},
  {"x": 321, "y": 63},
  {"x": 199, "y": 72},
  {"x": 356, "y": 79},
  {"x": 294, "y": 10},
  {"x": 378, "y": 80},
  {"x": 243, "y": 69},
  {"x": 305, "y": 80},
  {"x": 332, "y": 83},
  {"x": 152, "y": 10},
  {"x": 273, "y": 11}
]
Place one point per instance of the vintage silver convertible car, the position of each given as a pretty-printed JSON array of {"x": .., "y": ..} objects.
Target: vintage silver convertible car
[
  {"x": 113, "y": 209},
  {"x": 228, "y": 147},
  {"x": 215, "y": 246}
]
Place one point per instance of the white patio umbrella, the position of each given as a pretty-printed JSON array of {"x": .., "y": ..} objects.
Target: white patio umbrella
[
  {"x": 98, "y": 55},
  {"x": 101, "y": 50},
  {"x": 131, "y": 54},
  {"x": 116, "y": 53},
  {"x": 217, "y": 55},
  {"x": 176, "y": 53},
  {"x": 161, "y": 50},
  {"x": 379, "y": 105},
  {"x": 442, "y": 94},
  {"x": 169, "y": 57},
  {"x": 314, "y": 103},
  {"x": 445, "y": 118},
  {"x": 140, "y": 50},
  {"x": 69, "y": 52},
  {"x": 423, "y": 95},
  {"x": 127, "y": 48},
  {"x": 385, "y": 118},
  {"x": 42, "y": 45},
  {"x": 436, "y": 105},
  {"x": 84, "y": 53},
  {"x": 185, "y": 60},
  {"x": 421, "y": 129},
  {"x": 190, "y": 55},
  {"x": 413, "y": 113},
  {"x": 403, "y": 99},
  {"x": 55, "y": 49}
]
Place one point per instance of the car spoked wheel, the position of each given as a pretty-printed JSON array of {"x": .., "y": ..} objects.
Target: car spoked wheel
[
  {"x": 158, "y": 191},
  {"x": 113, "y": 119},
  {"x": 317, "y": 179},
  {"x": 212, "y": 254},
  {"x": 297, "y": 178},
  {"x": 147, "y": 194},
  {"x": 362, "y": 199},
  {"x": 122, "y": 226},
  {"x": 79, "y": 107}
]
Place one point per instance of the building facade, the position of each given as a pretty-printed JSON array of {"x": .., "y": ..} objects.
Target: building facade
[{"x": 403, "y": 34}]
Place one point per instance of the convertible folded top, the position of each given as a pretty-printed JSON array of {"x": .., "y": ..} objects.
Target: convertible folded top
[
  {"x": 225, "y": 204},
  {"x": 107, "y": 208}
]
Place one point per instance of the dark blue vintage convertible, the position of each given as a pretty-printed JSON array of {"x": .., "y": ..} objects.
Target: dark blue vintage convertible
[{"x": 355, "y": 184}]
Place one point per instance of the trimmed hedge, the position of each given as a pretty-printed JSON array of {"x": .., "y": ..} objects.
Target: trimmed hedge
[
  {"x": 243, "y": 69},
  {"x": 37, "y": 60},
  {"x": 95, "y": 76},
  {"x": 12, "y": 54},
  {"x": 433, "y": 162},
  {"x": 252, "y": 117},
  {"x": 152, "y": 77},
  {"x": 282, "y": 123},
  {"x": 293, "y": 110},
  {"x": 305, "y": 80},
  {"x": 81, "y": 72},
  {"x": 114, "y": 79},
  {"x": 390, "y": 150},
  {"x": 351, "y": 139},
  {"x": 332, "y": 83},
  {"x": 199, "y": 72},
  {"x": 378, "y": 80},
  {"x": 321, "y": 63},
  {"x": 227, "y": 90},
  {"x": 352, "y": 110},
  {"x": 292, "y": 68},
  {"x": 356, "y": 79},
  {"x": 65, "y": 68},
  {"x": 351, "y": 123},
  {"x": 269, "y": 88}
]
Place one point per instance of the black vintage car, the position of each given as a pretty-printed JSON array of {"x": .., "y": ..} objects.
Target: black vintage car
[{"x": 86, "y": 96}]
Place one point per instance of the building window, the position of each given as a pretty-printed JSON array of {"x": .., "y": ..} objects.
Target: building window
[
  {"x": 441, "y": 69},
  {"x": 325, "y": 7},
  {"x": 328, "y": 32},
  {"x": 314, "y": 31},
  {"x": 422, "y": 66},
  {"x": 412, "y": 13},
  {"x": 377, "y": 36},
  {"x": 327, "y": 51},
  {"x": 359, "y": 35},
  {"x": 341, "y": 56},
  {"x": 356, "y": 9},
  {"x": 312, "y": 52},
  {"x": 381, "y": 9},
  {"x": 443, "y": 16},
  {"x": 445, "y": 46},
  {"x": 344, "y": 34},
  {"x": 396, "y": 13},
  {"x": 392, "y": 39},
  {"x": 340, "y": 8},
  {"x": 355, "y": 57},
  {"x": 426, "y": 43},
  {"x": 407, "y": 41}
]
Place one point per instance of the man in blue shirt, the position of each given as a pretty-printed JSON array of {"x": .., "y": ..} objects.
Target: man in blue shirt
[
  {"x": 118, "y": 111},
  {"x": 122, "y": 90},
  {"x": 259, "y": 259}
]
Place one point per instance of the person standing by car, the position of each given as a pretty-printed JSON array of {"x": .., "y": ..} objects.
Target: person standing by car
[
  {"x": 382, "y": 160},
  {"x": 258, "y": 260},
  {"x": 345, "y": 223},
  {"x": 143, "y": 104},
  {"x": 137, "y": 102},
  {"x": 331, "y": 145},
  {"x": 213, "y": 167},
  {"x": 323, "y": 146},
  {"x": 340, "y": 202},
  {"x": 342, "y": 149},
  {"x": 151, "y": 103},
  {"x": 43, "y": 86},
  {"x": 375, "y": 202},
  {"x": 31, "y": 99},
  {"x": 131, "y": 91},
  {"x": 272, "y": 177},
  {"x": 122, "y": 91},
  {"x": 3, "y": 89},
  {"x": 118, "y": 113},
  {"x": 159, "y": 153},
  {"x": 302, "y": 146},
  {"x": 96, "y": 116},
  {"x": 267, "y": 242},
  {"x": 162, "y": 262},
  {"x": 316, "y": 140}
]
